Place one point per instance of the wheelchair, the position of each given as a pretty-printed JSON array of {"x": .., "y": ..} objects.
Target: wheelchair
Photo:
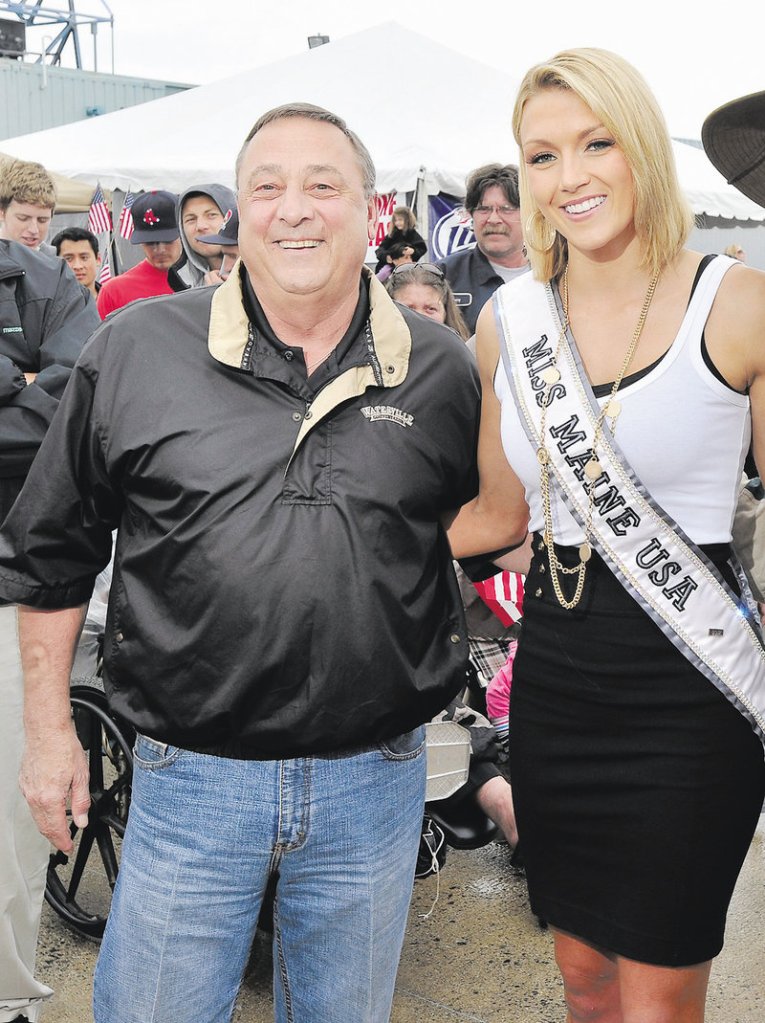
[{"x": 79, "y": 886}]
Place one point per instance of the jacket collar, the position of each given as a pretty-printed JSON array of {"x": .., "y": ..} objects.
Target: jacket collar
[
  {"x": 9, "y": 265},
  {"x": 482, "y": 270},
  {"x": 228, "y": 335}
]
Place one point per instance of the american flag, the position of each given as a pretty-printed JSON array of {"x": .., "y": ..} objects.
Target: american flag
[
  {"x": 126, "y": 224},
  {"x": 99, "y": 219},
  {"x": 503, "y": 594},
  {"x": 105, "y": 273}
]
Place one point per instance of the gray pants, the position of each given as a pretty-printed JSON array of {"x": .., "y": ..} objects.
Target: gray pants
[{"x": 23, "y": 850}]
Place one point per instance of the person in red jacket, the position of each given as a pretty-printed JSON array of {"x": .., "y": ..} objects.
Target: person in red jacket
[{"x": 156, "y": 231}]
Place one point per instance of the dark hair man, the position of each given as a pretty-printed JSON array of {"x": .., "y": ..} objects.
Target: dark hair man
[
  {"x": 78, "y": 247},
  {"x": 45, "y": 318},
  {"x": 156, "y": 231},
  {"x": 280, "y": 454},
  {"x": 475, "y": 274},
  {"x": 228, "y": 239}
]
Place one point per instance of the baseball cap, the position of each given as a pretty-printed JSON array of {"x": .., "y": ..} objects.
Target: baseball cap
[
  {"x": 734, "y": 140},
  {"x": 154, "y": 218}
]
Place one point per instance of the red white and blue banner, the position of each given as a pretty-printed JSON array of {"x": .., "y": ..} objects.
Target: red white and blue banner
[
  {"x": 386, "y": 204},
  {"x": 105, "y": 273},
  {"x": 126, "y": 225},
  {"x": 99, "y": 218},
  {"x": 450, "y": 226}
]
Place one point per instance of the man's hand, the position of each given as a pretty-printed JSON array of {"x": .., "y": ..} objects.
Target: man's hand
[{"x": 54, "y": 769}]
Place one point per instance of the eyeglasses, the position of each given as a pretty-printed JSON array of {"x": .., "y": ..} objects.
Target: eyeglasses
[
  {"x": 504, "y": 211},
  {"x": 408, "y": 267}
]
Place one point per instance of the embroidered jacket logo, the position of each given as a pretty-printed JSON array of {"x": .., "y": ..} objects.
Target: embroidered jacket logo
[{"x": 393, "y": 415}]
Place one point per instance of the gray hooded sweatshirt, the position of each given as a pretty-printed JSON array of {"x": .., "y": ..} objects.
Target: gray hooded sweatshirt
[{"x": 190, "y": 270}]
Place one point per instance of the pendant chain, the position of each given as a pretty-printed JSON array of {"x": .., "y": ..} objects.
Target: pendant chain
[{"x": 592, "y": 469}]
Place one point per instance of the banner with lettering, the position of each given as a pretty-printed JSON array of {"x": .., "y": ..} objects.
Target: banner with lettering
[
  {"x": 386, "y": 204},
  {"x": 450, "y": 226}
]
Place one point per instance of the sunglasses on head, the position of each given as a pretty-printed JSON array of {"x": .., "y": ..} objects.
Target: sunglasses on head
[{"x": 408, "y": 267}]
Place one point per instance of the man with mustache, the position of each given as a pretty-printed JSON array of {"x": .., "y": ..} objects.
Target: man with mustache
[{"x": 475, "y": 274}]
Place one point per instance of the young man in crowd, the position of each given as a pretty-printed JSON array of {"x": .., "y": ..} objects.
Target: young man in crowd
[
  {"x": 156, "y": 231},
  {"x": 201, "y": 212},
  {"x": 27, "y": 201},
  {"x": 228, "y": 239},
  {"x": 78, "y": 247}
]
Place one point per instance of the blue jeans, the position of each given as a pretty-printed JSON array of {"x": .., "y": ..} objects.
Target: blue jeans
[{"x": 205, "y": 834}]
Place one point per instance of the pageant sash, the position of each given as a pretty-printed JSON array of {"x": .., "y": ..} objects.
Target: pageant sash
[{"x": 669, "y": 577}]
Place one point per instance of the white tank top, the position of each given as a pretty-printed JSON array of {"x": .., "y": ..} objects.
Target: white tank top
[{"x": 683, "y": 431}]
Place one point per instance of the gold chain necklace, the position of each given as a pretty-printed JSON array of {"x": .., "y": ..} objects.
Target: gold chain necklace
[{"x": 592, "y": 469}]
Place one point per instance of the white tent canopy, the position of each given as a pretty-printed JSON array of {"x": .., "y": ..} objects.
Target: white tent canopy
[{"x": 422, "y": 109}]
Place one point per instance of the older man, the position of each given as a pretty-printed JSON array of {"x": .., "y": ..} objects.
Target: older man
[
  {"x": 279, "y": 454},
  {"x": 475, "y": 274}
]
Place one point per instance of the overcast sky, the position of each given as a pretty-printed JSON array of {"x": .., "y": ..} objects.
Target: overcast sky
[{"x": 694, "y": 55}]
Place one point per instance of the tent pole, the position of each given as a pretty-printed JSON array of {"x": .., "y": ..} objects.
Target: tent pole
[{"x": 421, "y": 210}]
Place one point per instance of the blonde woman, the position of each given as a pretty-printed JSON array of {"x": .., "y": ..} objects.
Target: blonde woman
[{"x": 621, "y": 382}]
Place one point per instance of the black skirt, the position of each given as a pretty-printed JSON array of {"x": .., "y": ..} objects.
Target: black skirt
[{"x": 637, "y": 785}]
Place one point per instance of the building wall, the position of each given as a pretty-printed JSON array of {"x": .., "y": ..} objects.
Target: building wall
[
  {"x": 33, "y": 98},
  {"x": 713, "y": 234}
]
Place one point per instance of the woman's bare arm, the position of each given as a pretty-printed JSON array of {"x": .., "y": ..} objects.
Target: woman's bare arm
[{"x": 498, "y": 517}]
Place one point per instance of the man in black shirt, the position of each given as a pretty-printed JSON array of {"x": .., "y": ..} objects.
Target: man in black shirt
[
  {"x": 279, "y": 455},
  {"x": 475, "y": 274}
]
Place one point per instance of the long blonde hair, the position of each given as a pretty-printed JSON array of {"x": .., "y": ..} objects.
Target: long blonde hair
[{"x": 619, "y": 96}]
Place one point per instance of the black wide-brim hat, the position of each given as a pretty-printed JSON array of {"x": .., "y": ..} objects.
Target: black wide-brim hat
[{"x": 734, "y": 140}]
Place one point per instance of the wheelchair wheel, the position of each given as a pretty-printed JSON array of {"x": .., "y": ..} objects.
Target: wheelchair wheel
[{"x": 79, "y": 886}]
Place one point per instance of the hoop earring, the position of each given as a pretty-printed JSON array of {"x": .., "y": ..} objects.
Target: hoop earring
[{"x": 546, "y": 232}]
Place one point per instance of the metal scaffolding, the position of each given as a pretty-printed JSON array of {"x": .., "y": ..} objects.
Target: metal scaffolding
[{"x": 36, "y": 14}]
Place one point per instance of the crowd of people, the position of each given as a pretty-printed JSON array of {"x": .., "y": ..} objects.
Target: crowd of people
[{"x": 291, "y": 450}]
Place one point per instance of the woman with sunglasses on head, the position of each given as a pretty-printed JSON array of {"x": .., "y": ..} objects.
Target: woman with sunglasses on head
[
  {"x": 621, "y": 381},
  {"x": 424, "y": 288}
]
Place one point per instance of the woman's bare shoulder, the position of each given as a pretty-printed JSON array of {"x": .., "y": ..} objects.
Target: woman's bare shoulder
[
  {"x": 487, "y": 341},
  {"x": 736, "y": 325}
]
